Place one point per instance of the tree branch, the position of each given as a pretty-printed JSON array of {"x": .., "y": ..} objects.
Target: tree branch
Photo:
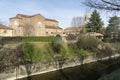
[{"x": 111, "y": 5}]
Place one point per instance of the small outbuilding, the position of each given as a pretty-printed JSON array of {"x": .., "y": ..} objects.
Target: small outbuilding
[
  {"x": 97, "y": 35},
  {"x": 5, "y": 31}
]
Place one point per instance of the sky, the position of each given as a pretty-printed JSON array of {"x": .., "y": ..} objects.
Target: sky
[{"x": 61, "y": 10}]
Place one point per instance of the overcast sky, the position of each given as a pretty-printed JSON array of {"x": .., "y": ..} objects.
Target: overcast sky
[{"x": 61, "y": 10}]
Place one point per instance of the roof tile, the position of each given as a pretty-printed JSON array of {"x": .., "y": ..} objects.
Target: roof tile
[{"x": 5, "y": 27}]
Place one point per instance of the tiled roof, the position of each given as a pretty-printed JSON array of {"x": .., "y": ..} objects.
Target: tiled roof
[
  {"x": 24, "y": 15},
  {"x": 15, "y": 17},
  {"x": 29, "y": 16},
  {"x": 18, "y": 16},
  {"x": 75, "y": 28},
  {"x": 51, "y": 20},
  {"x": 96, "y": 34},
  {"x": 5, "y": 27},
  {"x": 36, "y": 15},
  {"x": 52, "y": 27},
  {"x": 71, "y": 28}
]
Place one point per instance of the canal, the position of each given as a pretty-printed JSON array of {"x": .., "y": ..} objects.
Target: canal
[{"x": 90, "y": 71}]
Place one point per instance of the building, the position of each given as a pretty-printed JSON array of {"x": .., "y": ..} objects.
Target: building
[
  {"x": 74, "y": 30},
  {"x": 5, "y": 31},
  {"x": 97, "y": 35},
  {"x": 34, "y": 25},
  {"x": 78, "y": 25},
  {"x": 71, "y": 30}
]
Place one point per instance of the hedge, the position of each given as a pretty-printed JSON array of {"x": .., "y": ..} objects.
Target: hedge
[{"x": 20, "y": 39}]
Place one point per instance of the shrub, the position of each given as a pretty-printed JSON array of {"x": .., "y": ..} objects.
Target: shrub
[
  {"x": 117, "y": 47},
  {"x": 71, "y": 37},
  {"x": 105, "y": 51},
  {"x": 20, "y": 39},
  {"x": 78, "y": 51},
  {"x": 87, "y": 43},
  {"x": 55, "y": 50},
  {"x": 107, "y": 40}
]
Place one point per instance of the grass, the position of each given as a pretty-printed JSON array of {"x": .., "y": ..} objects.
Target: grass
[
  {"x": 40, "y": 44},
  {"x": 12, "y": 45},
  {"x": 71, "y": 51}
]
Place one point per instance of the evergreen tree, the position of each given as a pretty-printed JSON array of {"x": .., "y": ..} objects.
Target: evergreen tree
[
  {"x": 95, "y": 23},
  {"x": 114, "y": 22},
  {"x": 113, "y": 27},
  {"x": 119, "y": 36}
]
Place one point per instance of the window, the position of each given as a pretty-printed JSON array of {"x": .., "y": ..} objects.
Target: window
[
  {"x": 63, "y": 32},
  {"x": 46, "y": 32},
  {"x": 51, "y": 32},
  {"x": 16, "y": 23},
  {"x": 5, "y": 31},
  {"x": 39, "y": 24}
]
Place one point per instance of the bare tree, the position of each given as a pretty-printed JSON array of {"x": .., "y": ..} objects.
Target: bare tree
[
  {"x": 109, "y": 5},
  {"x": 29, "y": 58},
  {"x": 28, "y": 30},
  {"x": 1, "y": 23},
  {"x": 77, "y": 21}
]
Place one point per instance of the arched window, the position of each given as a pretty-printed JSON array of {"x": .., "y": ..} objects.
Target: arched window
[
  {"x": 39, "y": 24},
  {"x": 16, "y": 23}
]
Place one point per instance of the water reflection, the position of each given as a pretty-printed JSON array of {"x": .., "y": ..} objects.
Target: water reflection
[{"x": 91, "y": 71}]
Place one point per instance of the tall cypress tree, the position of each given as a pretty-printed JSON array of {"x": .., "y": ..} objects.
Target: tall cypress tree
[{"x": 95, "y": 23}]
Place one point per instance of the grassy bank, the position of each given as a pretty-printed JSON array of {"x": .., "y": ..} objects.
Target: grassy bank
[{"x": 28, "y": 53}]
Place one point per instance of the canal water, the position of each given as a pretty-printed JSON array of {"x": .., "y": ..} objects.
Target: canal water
[{"x": 90, "y": 71}]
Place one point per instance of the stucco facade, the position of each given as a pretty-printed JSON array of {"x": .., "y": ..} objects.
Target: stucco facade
[
  {"x": 34, "y": 25},
  {"x": 5, "y": 31}
]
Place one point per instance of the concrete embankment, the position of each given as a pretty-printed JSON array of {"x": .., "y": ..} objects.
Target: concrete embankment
[{"x": 44, "y": 68}]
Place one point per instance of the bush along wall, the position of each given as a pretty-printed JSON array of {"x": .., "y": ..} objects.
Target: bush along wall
[{"x": 20, "y": 39}]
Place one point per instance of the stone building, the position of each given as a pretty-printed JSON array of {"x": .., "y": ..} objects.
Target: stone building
[
  {"x": 5, "y": 31},
  {"x": 74, "y": 30},
  {"x": 34, "y": 25},
  {"x": 80, "y": 28}
]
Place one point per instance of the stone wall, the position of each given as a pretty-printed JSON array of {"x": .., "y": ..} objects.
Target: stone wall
[{"x": 42, "y": 67}]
